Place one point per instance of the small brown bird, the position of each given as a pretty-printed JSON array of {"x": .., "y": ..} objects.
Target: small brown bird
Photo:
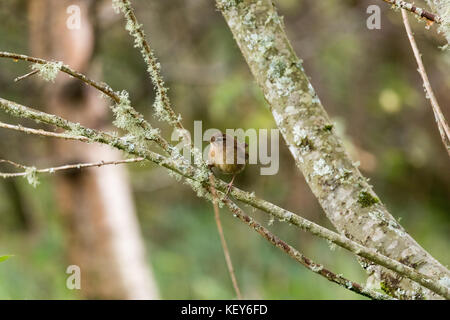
[{"x": 228, "y": 158}]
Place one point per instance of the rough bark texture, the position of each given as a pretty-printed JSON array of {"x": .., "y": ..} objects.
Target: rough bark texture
[
  {"x": 344, "y": 194},
  {"x": 103, "y": 235},
  {"x": 442, "y": 8}
]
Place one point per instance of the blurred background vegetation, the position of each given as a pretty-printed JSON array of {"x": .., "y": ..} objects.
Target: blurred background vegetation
[{"x": 367, "y": 81}]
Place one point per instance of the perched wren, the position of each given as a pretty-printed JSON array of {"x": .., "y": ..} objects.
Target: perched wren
[{"x": 228, "y": 155}]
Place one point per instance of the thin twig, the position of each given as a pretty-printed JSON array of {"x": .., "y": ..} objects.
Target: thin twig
[
  {"x": 29, "y": 74},
  {"x": 226, "y": 252},
  {"x": 65, "y": 167},
  {"x": 443, "y": 127},
  {"x": 299, "y": 257},
  {"x": 102, "y": 87},
  {"x": 416, "y": 10},
  {"x": 41, "y": 132},
  {"x": 15, "y": 164},
  {"x": 191, "y": 172}
]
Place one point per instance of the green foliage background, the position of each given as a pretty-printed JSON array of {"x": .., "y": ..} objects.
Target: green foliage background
[{"x": 367, "y": 81}]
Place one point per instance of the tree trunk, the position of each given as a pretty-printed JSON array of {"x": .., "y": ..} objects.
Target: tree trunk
[{"x": 103, "y": 233}]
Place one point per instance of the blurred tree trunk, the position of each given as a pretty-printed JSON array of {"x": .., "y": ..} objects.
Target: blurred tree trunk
[{"x": 103, "y": 233}]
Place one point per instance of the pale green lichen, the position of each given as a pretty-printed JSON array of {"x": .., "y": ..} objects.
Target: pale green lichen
[
  {"x": 227, "y": 4},
  {"x": 118, "y": 6},
  {"x": 203, "y": 172},
  {"x": 127, "y": 119},
  {"x": 316, "y": 267},
  {"x": 48, "y": 71},
  {"x": 331, "y": 245},
  {"x": 161, "y": 104},
  {"x": 31, "y": 176},
  {"x": 321, "y": 168},
  {"x": 280, "y": 75},
  {"x": 343, "y": 175}
]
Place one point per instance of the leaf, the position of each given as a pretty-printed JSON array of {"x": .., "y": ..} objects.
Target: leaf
[{"x": 5, "y": 257}]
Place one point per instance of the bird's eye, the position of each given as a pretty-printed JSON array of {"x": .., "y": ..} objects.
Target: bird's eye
[{"x": 213, "y": 139}]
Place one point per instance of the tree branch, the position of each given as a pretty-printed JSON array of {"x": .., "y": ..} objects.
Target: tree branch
[
  {"x": 41, "y": 132},
  {"x": 299, "y": 257},
  {"x": 439, "y": 116},
  {"x": 135, "y": 119},
  {"x": 183, "y": 168},
  {"x": 399, "y": 4},
  {"x": 65, "y": 167}
]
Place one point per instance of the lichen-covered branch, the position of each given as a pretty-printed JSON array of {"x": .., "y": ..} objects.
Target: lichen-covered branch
[
  {"x": 442, "y": 7},
  {"x": 399, "y": 4},
  {"x": 344, "y": 194},
  {"x": 299, "y": 257},
  {"x": 126, "y": 117},
  {"x": 442, "y": 124},
  {"x": 40, "y": 132},
  {"x": 29, "y": 169},
  {"x": 179, "y": 167}
]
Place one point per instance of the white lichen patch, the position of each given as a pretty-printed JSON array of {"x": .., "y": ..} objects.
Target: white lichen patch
[
  {"x": 342, "y": 175},
  {"x": 280, "y": 75},
  {"x": 251, "y": 40},
  {"x": 287, "y": 216},
  {"x": 118, "y": 6},
  {"x": 444, "y": 281},
  {"x": 291, "y": 110},
  {"x": 316, "y": 267},
  {"x": 299, "y": 134},
  {"x": 378, "y": 215},
  {"x": 202, "y": 174},
  {"x": 349, "y": 284},
  {"x": 321, "y": 168},
  {"x": 48, "y": 71}
]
